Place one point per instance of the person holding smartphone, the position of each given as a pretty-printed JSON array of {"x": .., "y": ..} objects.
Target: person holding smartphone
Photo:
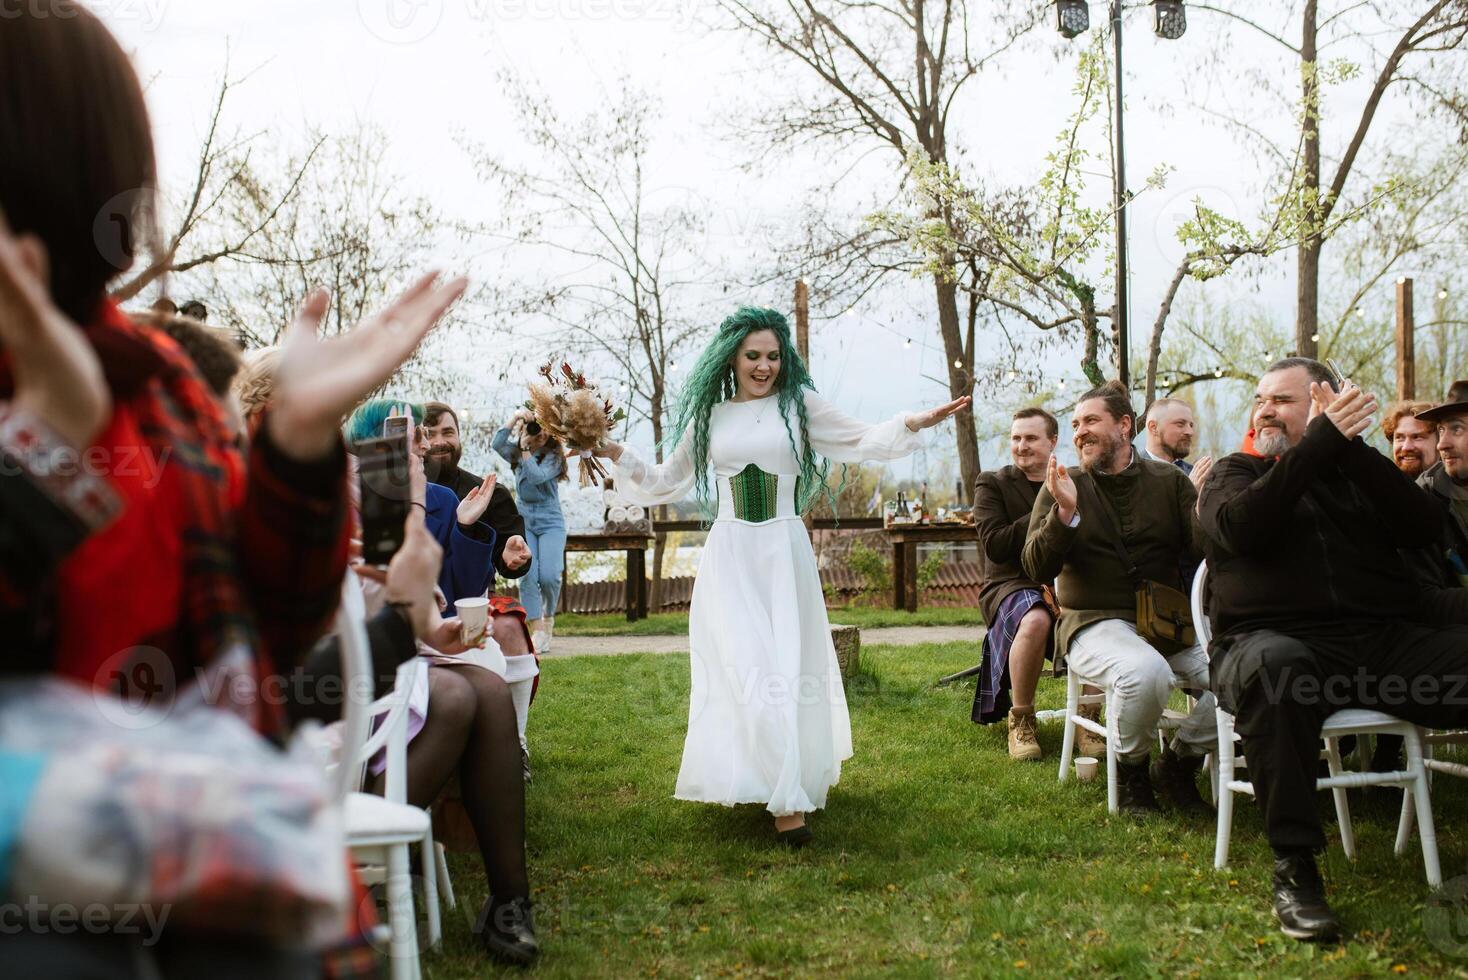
[{"x": 539, "y": 463}]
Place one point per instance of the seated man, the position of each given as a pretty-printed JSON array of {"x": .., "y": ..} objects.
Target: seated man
[
  {"x": 1101, "y": 534},
  {"x": 1169, "y": 438},
  {"x": 1016, "y": 608},
  {"x": 1447, "y": 483},
  {"x": 1413, "y": 441},
  {"x": 443, "y": 449},
  {"x": 1313, "y": 607}
]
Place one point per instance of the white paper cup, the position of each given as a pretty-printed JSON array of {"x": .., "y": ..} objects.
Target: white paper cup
[
  {"x": 473, "y": 618},
  {"x": 1085, "y": 768}
]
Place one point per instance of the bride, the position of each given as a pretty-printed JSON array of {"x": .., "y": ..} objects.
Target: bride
[{"x": 767, "y": 719}]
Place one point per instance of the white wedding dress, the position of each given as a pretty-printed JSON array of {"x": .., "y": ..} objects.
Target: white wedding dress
[{"x": 767, "y": 719}]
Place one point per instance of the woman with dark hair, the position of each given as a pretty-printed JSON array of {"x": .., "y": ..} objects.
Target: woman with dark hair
[
  {"x": 539, "y": 463},
  {"x": 165, "y": 555},
  {"x": 767, "y": 721}
]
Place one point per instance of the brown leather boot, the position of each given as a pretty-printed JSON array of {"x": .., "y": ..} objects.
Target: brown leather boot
[{"x": 1088, "y": 743}]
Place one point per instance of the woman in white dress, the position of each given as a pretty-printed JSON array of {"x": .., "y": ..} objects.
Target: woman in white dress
[{"x": 767, "y": 719}]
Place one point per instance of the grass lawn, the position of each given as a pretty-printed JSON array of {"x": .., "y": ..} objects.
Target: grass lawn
[
  {"x": 936, "y": 856},
  {"x": 663, "y": 624}
]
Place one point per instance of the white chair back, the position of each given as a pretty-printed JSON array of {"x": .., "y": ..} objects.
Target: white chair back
[
  {"x": 1201, "y": 627},
  {"x": 351, "y": 631}
]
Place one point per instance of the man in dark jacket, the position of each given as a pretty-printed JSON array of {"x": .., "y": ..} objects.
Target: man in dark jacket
[
  {"x": 1080, "y": 528},
  {"x": 1314, "y": 609},
  {"x": 511, "y": 553},
  {"x": 1020, "y": 626},
  {"x": 1447, "y": 482}
]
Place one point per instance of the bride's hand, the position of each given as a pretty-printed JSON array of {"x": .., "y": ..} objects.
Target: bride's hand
[
  {"x": 608, "y": 450},
  {"x": 930, "y": 418}
]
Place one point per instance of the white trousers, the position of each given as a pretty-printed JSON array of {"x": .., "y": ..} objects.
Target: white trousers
[{"x": 1140, "y": 680}]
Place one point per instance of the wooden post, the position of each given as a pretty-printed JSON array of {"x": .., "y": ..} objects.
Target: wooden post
[
  {"x": 1406, "y": 343},
  {"x": 802, "y": 320}
]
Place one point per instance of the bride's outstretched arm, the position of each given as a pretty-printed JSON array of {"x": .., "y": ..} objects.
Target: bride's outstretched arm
[
  {"x": 843, "y": 439},
  {"x": 649, "y": 484}
]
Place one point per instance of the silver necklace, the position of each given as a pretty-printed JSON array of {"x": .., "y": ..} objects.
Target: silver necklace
[{"x": 764, "y": 408}]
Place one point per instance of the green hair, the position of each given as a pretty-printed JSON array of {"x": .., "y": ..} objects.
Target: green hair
[
  {"x": 366, "y": 421},
  {"x": 712, "y": 381}
]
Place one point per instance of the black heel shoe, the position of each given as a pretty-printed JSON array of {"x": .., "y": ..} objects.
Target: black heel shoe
[{"x": 796, "y": 837}]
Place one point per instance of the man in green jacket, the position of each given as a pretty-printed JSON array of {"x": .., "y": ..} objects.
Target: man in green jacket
[{"x": 1100, "y": 533}]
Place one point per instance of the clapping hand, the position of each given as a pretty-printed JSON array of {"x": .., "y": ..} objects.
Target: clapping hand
[
  {"x": 320, "y": 380},
  {"x": 58, "y": 376},
  {"x": 1062, "y": 488},
  {"x": 473, "y": 506},
  {"x": 1350, "y": 411},
  {"x": 1200, "y": 472},
  {"x": 930, "y": 418},
  {"x": 516, "y": 553}
]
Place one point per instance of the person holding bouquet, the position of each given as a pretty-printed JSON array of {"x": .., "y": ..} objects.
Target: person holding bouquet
[
  {"x": 539, "y": 464},
  {"x": 767, "y": 720}
]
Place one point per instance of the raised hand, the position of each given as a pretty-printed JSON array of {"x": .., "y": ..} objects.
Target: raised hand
[
  {"x": 1062, "y": 489},
  {"x": 930, "y": 418},
  {"x": 58, "y": 376},
  {"x": 476, "y": 502},
  {"x": 1350, "y": 411},
  {"x": 516, "y": 553},
  {"x": 412, "y": 575},
  {"x": 320, "y": 380},
  {"x": 1201, "y": 469}
]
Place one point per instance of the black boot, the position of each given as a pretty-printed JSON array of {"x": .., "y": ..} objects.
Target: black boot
[
  {"x": 1177, "y": 777},
  {"x": 1134, "y": 789},
  {"x": 507, "y": 930},
  {"x": 1299, "y": 900}
]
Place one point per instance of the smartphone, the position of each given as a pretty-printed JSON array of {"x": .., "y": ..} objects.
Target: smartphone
[
  {"x": 1337, "y": 376},
  {"x": 382, "y": 471},
  {"x": 394, "y": 425}
]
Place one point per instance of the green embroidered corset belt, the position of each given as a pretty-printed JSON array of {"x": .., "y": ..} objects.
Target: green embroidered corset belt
[{"x": 754, "y": 496}]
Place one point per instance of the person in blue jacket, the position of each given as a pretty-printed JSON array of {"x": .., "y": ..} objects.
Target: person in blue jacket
[
  {"x": 539, "y": 463},
  {"x": 467, "y": 541}
]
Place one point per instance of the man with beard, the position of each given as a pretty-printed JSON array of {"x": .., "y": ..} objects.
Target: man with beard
[
  {"x": 1413, "y": 441},
  {"x": 1314, "y": 609},
  {"x": 511, "y": 554},
  {"x": 1170, "y": 430},
  {"x": 1016, "y": 608},
  {"x": 1447, "y": 482},
  {"x": 1102, "y": 533}
]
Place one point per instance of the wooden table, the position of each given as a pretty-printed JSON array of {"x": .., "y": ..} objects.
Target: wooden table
[
  {"x": 636, "y": 547},
  {"x": 905, "y": 538}
]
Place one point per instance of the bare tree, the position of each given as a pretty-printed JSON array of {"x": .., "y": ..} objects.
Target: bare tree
[
  {"x": 207, "y": 227},
  {"x": 888, "y": 76},
  {"x": 621, "y": 275},
  {"x": 1411, "y": 46}
]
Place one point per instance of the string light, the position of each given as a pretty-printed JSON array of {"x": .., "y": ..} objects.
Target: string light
[
  {"x": 1218, "y": 372},
  {"x": 1012, "y": 375},
  {"x": 1360, "y": 311},
  {"x": 1315, "y": 338},
  {"x": 907, "y": 344},
  {"x": 1442, "y": 294},
  {"x": 957, "y": 363}
]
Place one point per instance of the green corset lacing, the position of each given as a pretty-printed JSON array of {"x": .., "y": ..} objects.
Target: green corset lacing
[{"x": 756, "y": 494}]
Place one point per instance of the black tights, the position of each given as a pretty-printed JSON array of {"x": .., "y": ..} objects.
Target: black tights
[{"x": 471, "y": 730}]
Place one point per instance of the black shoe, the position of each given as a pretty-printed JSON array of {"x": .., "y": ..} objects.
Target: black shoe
[
  {"x": 1177, "y": 777},
  {"x": 1134, "y": 789},
  {"x": 796, "y": 837},
  {"x": 1299, "y": 900},
  {"x": 507, "y": 930}
]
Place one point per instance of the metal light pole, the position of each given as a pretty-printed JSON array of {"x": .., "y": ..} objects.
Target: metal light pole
[
  {"x": 1073, "y": 18},
  {"x": 1119, "y": 202}
]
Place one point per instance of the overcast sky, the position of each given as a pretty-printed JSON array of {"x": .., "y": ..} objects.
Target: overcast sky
[{"x": 424, "y": 70}]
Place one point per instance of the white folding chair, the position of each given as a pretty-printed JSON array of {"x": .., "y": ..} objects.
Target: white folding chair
[
  {"x": 380, "y": 829},
  {"x": 1348, "y": 721},
  {"x": 1170, "y": 721}
]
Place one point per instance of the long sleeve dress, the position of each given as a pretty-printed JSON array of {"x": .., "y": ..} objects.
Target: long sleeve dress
[{"x": 767, "y": 718}]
